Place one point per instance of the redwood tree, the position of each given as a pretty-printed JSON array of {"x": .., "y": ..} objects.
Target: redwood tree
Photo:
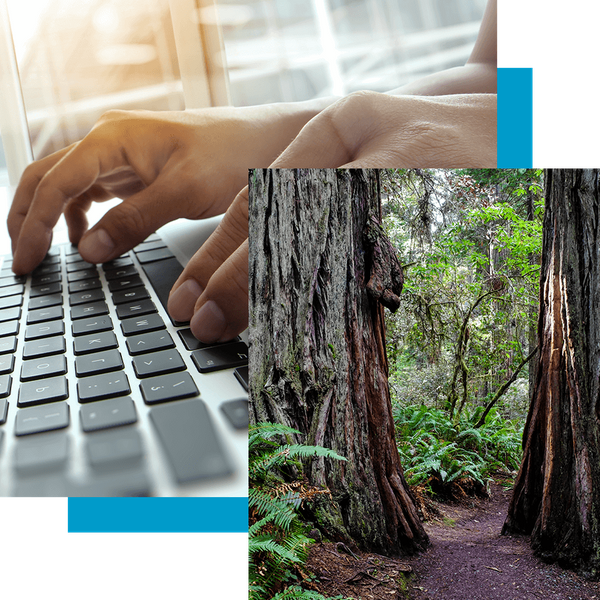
[
  {"x": 320, "y": 271},
  {"x": 557, "y": 492}
]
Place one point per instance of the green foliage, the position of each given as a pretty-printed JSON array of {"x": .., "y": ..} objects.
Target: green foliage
[
  {"x": 440, "y": 453},
  {"x": 277, "y": 545}
]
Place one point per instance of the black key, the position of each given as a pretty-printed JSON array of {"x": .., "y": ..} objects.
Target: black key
[
  {"x": 113, "y": 483},
  {"x": 44, "y": 347},
  {"x": 162, "y": 276},
  {"x": 86, "y": 297},
  {"x": 241, "y": 374},
  {"x": 42, "y": 392},
  {"x": 70, "y": 250},
  {"x": 45, "y": 301},
  {"x": 44, "y": 290},
  {"x": 43, "y": 367},
  {"x": 149, "y": 245},
  {"x": 99, "y": 387},
  {"x": 9, "y": 328},
  {"x": 91, "y": 273},
  {"x": 3, "y": 412},
  {"x": 80, "y": 265},
  {"x": 149, "y": 342},
  {"x": 165, "y": 388},
  {"x": 46, "y": 269},
  {"x": 118, "y": 263},
  {"x": 8, "y": 345},
  {"x": 43, "y": 330},
  {"x": 114, "y": 412},
  {"x": 51, "y": 258},
  {"x": 236, "y": 412},
  {"x": 190, "y": 441},
  {"x": 93, "y": 309},
  {"x": 91, "y": 325},
  {"x": 191, "y": 343},
  {"x": 131, "y": 295},
  {"x": 221, "y": 357},
  {"x": 145, "y": 324},
  {"x": 134, "y": 309},
  {"x": 82, "y": 286},
  {"x": 154, "y": 255},
  {"x": 125, "y": 283},
  {"x": 5, "y": 385},
  {"x": 117, "y": 273},
  {"x": 42, "y": 418},
  {"x": 94, "y": 342},
  {"x": 41, "y": 280},
  {"x": 74, "y": 257},
  {"x": 158, "y": 363},
  {"x": 45, "y": 314},
  {"x": 41, "y": 454},
  {"x": 7, "y": 363},
  {"x": 99, "y": 362},
  {"x": 119, "y": 447}
]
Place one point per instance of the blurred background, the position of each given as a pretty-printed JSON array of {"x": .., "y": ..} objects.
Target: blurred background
[{"x": 78, "y": 58}]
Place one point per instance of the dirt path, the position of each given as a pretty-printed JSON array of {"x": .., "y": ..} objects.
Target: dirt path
[{"x": 468, "y": 560}]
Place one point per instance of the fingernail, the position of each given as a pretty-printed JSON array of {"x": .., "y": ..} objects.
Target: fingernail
[
  {"x": 209, "y": 323},
  {"x": 183, "y": 299},
  {"x": 97, "y": 246}
]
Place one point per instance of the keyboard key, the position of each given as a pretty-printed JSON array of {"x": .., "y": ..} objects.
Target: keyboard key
[
  {"x": 34, "y": 332},
  {"x": 165, "y": 388},
  {"x": 45, "y": 314},
  {"x": 42, "y": 280},
  {"x": 131, "y": 295},
  {"x": 152, "y": 245},
  {"x": 46, "y": 269},
  {"x": 158, "y": 363},
  {"x": 125, "y": 283},
  {"x": 7, "y": 363},
  {"x": 5, "y": 385},
  {"x": 189, "y": 440},
  {"x": 42, "y": 418},
  {"x": 86, "y": 284},
  {"x": 44, "y": 347},
  {"x": 191, "y": 343},
  {"x": 99, "y": 387},
  {"x": 162, "y": 276},
  {"x": 9, "y": 278},
  {"x": 221, "y": 357},
  {"x": 8, "y": 345},
  {"x": 148, "y": 323},
  {"x": 154, "y": 255},
  {"x": 134, "y": 309},
  {"x": 91, "y": 273},
  {"x": 99, "y": 362},
  {"x": 42, "y": 455},
  {"x": 45, "y": 301},
  {"x": 3, "y": 412},
  {"x": 46, "y": 289},
  {"x": 241, "y": 374},
  {"x": 11, "y": 301},
  {"x": 116, "y": 264},
  {"x": 86, "y": 297},
  {"x": 43, "y": 392},
  {"x": 236, "y": 412},
  {"x": 9, "y": 314},
  {"x": 80, "y": 265},
  {"x": 43, "y": 367},
  {"x": 124, "y": 271},
  {"x": 9, "y": 328},
  {"x": 105, "y": 414},
  {"x": 149, "y": 342},
  {"x": 120, "y": 447},
  {"x": 12, "y": 290},
  {"x": 94, "y": 309},
  {"x": 92, "y": 325},
  {"x": 94, "y": 342}
]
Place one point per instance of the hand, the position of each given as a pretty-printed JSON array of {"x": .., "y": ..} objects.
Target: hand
[{"x": 362, "y": 130}]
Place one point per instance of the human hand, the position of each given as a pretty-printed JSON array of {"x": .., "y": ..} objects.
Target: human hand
[{"x": 362, "y": 130}]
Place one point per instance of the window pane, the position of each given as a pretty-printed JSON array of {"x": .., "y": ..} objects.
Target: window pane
[
  {"x": 284, "y": 50},
  {"x": 79, "y": 58}
]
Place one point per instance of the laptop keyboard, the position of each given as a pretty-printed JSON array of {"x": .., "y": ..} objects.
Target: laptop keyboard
[{"x": 101, "y": 394}]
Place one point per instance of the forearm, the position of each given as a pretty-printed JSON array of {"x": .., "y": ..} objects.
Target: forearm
[{"x": 473, "y": 78}]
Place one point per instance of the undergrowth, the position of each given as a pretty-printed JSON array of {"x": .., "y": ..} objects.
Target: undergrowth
[
  {"x": 452, "y": 458},
  {"x": 278, "y": 546}
]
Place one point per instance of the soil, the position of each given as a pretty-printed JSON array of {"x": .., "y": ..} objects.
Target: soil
[{"x": 468, "y": 559}]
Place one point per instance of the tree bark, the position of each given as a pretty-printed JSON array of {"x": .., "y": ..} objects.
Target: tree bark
[
  {"x": 557, "y": 492},
  {"x": 320, "y": 271}
]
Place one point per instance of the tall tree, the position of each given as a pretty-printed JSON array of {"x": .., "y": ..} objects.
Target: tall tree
[
  {"x": 321, "y": 269},
  {"x": 557, "y": 492}
]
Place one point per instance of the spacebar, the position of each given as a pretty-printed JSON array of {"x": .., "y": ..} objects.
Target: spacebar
[
  {"x": 189, "y": 440},
  {"x": 162, "y": 275}
]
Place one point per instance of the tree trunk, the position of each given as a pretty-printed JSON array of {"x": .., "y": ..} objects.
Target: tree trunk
[
  {"x": 557, "y": 492},
  {"x": 320, "y": 271}
]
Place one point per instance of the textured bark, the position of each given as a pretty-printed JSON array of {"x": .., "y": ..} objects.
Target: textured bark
[
  {"x": 320, "y": 271},
  {"x": 557, "y": 493}
]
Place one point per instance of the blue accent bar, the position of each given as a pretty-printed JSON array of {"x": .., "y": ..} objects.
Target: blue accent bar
[
  {"x": 515, "y": 118},
  {"x": 209, "y": 515}
]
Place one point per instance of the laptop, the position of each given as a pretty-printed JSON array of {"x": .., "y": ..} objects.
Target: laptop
[{"x": 101, "y": 393}]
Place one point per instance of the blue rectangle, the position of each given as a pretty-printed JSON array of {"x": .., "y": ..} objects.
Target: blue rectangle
[
  {"x": 515, "y": 118},
  {"x": 209, "y": 515}
]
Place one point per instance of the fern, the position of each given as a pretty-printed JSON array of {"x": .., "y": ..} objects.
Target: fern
[{"x": 276, "y": 544}]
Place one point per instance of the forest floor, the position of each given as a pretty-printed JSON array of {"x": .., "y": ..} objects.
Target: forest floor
[{"x": 468, "y": 559}]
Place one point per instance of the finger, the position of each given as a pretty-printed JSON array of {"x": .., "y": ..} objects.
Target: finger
[
  {"x": 70, "y": 177},
  {"x": 225, "y": 240},
  {"x": 76, "y": 209},
  {"x": 25, "y": 191},
  {"x": 221, "y": 312}
]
